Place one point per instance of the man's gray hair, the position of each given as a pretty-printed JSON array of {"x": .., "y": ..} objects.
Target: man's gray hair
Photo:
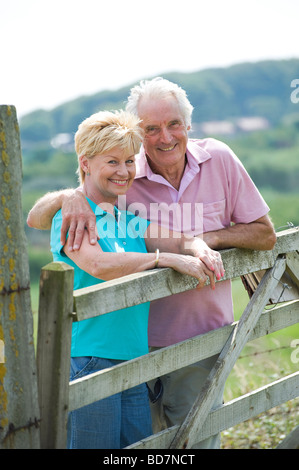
[{"x": 160, "y": 88}]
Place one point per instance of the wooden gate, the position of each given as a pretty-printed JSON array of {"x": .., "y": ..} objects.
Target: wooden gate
[{"x": 58, "y": 312}]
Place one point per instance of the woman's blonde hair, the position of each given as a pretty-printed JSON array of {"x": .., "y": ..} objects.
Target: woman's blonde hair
[{"x": 105, "y": 130}]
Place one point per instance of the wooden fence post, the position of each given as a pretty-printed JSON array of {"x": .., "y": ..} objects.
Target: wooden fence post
[
  {"x": 53, "y": 352},
  {"x": 19, "y": 412}
]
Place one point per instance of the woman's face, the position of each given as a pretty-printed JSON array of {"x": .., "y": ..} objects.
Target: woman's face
[{"x": 110, "y": 174}]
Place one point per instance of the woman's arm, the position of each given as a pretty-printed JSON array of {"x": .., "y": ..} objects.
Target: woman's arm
[
  {"x": 107, "y": 266},
  {"x": 173, "y": 242}
]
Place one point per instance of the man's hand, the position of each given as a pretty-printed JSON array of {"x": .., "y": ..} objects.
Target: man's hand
[{"x": 77, "y": 216}]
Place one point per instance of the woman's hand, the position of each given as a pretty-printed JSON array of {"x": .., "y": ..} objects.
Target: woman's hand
[
  {"x": 211, "y": 258},
  {"x": 202, "y": 261},
  {"x": 190, "y": 265}
]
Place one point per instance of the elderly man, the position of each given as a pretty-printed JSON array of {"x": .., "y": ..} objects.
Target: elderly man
[{"x": 206, "y": 189}]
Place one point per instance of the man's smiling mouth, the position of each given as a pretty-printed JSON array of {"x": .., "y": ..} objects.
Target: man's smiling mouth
[{"x": 168, "y": 149}]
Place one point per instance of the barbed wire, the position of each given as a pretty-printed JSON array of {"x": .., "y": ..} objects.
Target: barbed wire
[
  {"x": 258, "y": 353},
  {"x": 288, "y": 225}
]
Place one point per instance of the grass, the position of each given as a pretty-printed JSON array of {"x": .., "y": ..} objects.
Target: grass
[{"x": 265, "y": 431}]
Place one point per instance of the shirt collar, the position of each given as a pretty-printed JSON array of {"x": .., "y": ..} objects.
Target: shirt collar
[
  {"x": 195, "y": 155},
  {"x": 99, "y": 211}
]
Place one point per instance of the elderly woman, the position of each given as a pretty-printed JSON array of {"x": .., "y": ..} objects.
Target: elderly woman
[{"x": 106, "y": 144}]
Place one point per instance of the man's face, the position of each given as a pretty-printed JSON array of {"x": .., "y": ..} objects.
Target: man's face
[{"x": 166, "y": 135}]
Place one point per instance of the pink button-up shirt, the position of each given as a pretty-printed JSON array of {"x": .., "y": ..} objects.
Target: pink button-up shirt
[{"x": 215, "y": 190}]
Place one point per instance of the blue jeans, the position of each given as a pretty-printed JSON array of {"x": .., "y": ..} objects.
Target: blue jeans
[{"x": 112, "y": 423}]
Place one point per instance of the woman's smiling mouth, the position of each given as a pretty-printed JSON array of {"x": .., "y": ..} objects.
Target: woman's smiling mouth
[{"x": 119, "y": 182}]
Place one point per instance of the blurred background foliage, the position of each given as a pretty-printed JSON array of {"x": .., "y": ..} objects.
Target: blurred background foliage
[{"x": 267, "y": 144}]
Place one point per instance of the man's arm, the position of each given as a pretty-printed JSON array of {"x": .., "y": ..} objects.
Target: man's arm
[
  {"x": 76, "y": 212},
  {"x": 257, "y": 235},
  {"x": 43, "y": 211}
]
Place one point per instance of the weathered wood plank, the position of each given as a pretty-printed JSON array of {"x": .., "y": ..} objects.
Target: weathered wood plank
[
  {"x": 293, "y": 266},
  {"x": 53, "y": 352},
  {"x": 227, "y": 358},
  {"x": 151, "y": 285},
  {"x": 232, "y": 413},
  {"x": 107, "y": 382},
  {"x": 19, "y": 412},
  {"x": 128, "y": 291},
  {"x": 291, "y": 441}
]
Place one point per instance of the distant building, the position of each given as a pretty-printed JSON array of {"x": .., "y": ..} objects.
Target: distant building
[
  {"x": 250, "y": 124},
  {"x": 64, "y": 142},
  {"x": 218, "y": 128},
  {"x": 228, "y": 128}
]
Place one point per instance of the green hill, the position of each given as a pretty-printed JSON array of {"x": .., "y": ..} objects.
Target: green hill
[{"x": 249, "y": 89}]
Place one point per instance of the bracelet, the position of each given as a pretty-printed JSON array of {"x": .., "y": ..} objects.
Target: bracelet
[{"x": 157, "y": 258}]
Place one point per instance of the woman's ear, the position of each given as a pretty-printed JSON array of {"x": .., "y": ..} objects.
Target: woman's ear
[{"x": 84, "y": 164}]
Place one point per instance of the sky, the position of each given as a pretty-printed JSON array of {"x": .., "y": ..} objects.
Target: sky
[{"x": 53, "y": 51}]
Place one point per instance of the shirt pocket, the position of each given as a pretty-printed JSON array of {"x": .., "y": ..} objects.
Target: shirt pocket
[{"x": 214, "y": 215}]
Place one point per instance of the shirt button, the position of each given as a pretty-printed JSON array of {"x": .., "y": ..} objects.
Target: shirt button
[{"x": 124, "y": 243}]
